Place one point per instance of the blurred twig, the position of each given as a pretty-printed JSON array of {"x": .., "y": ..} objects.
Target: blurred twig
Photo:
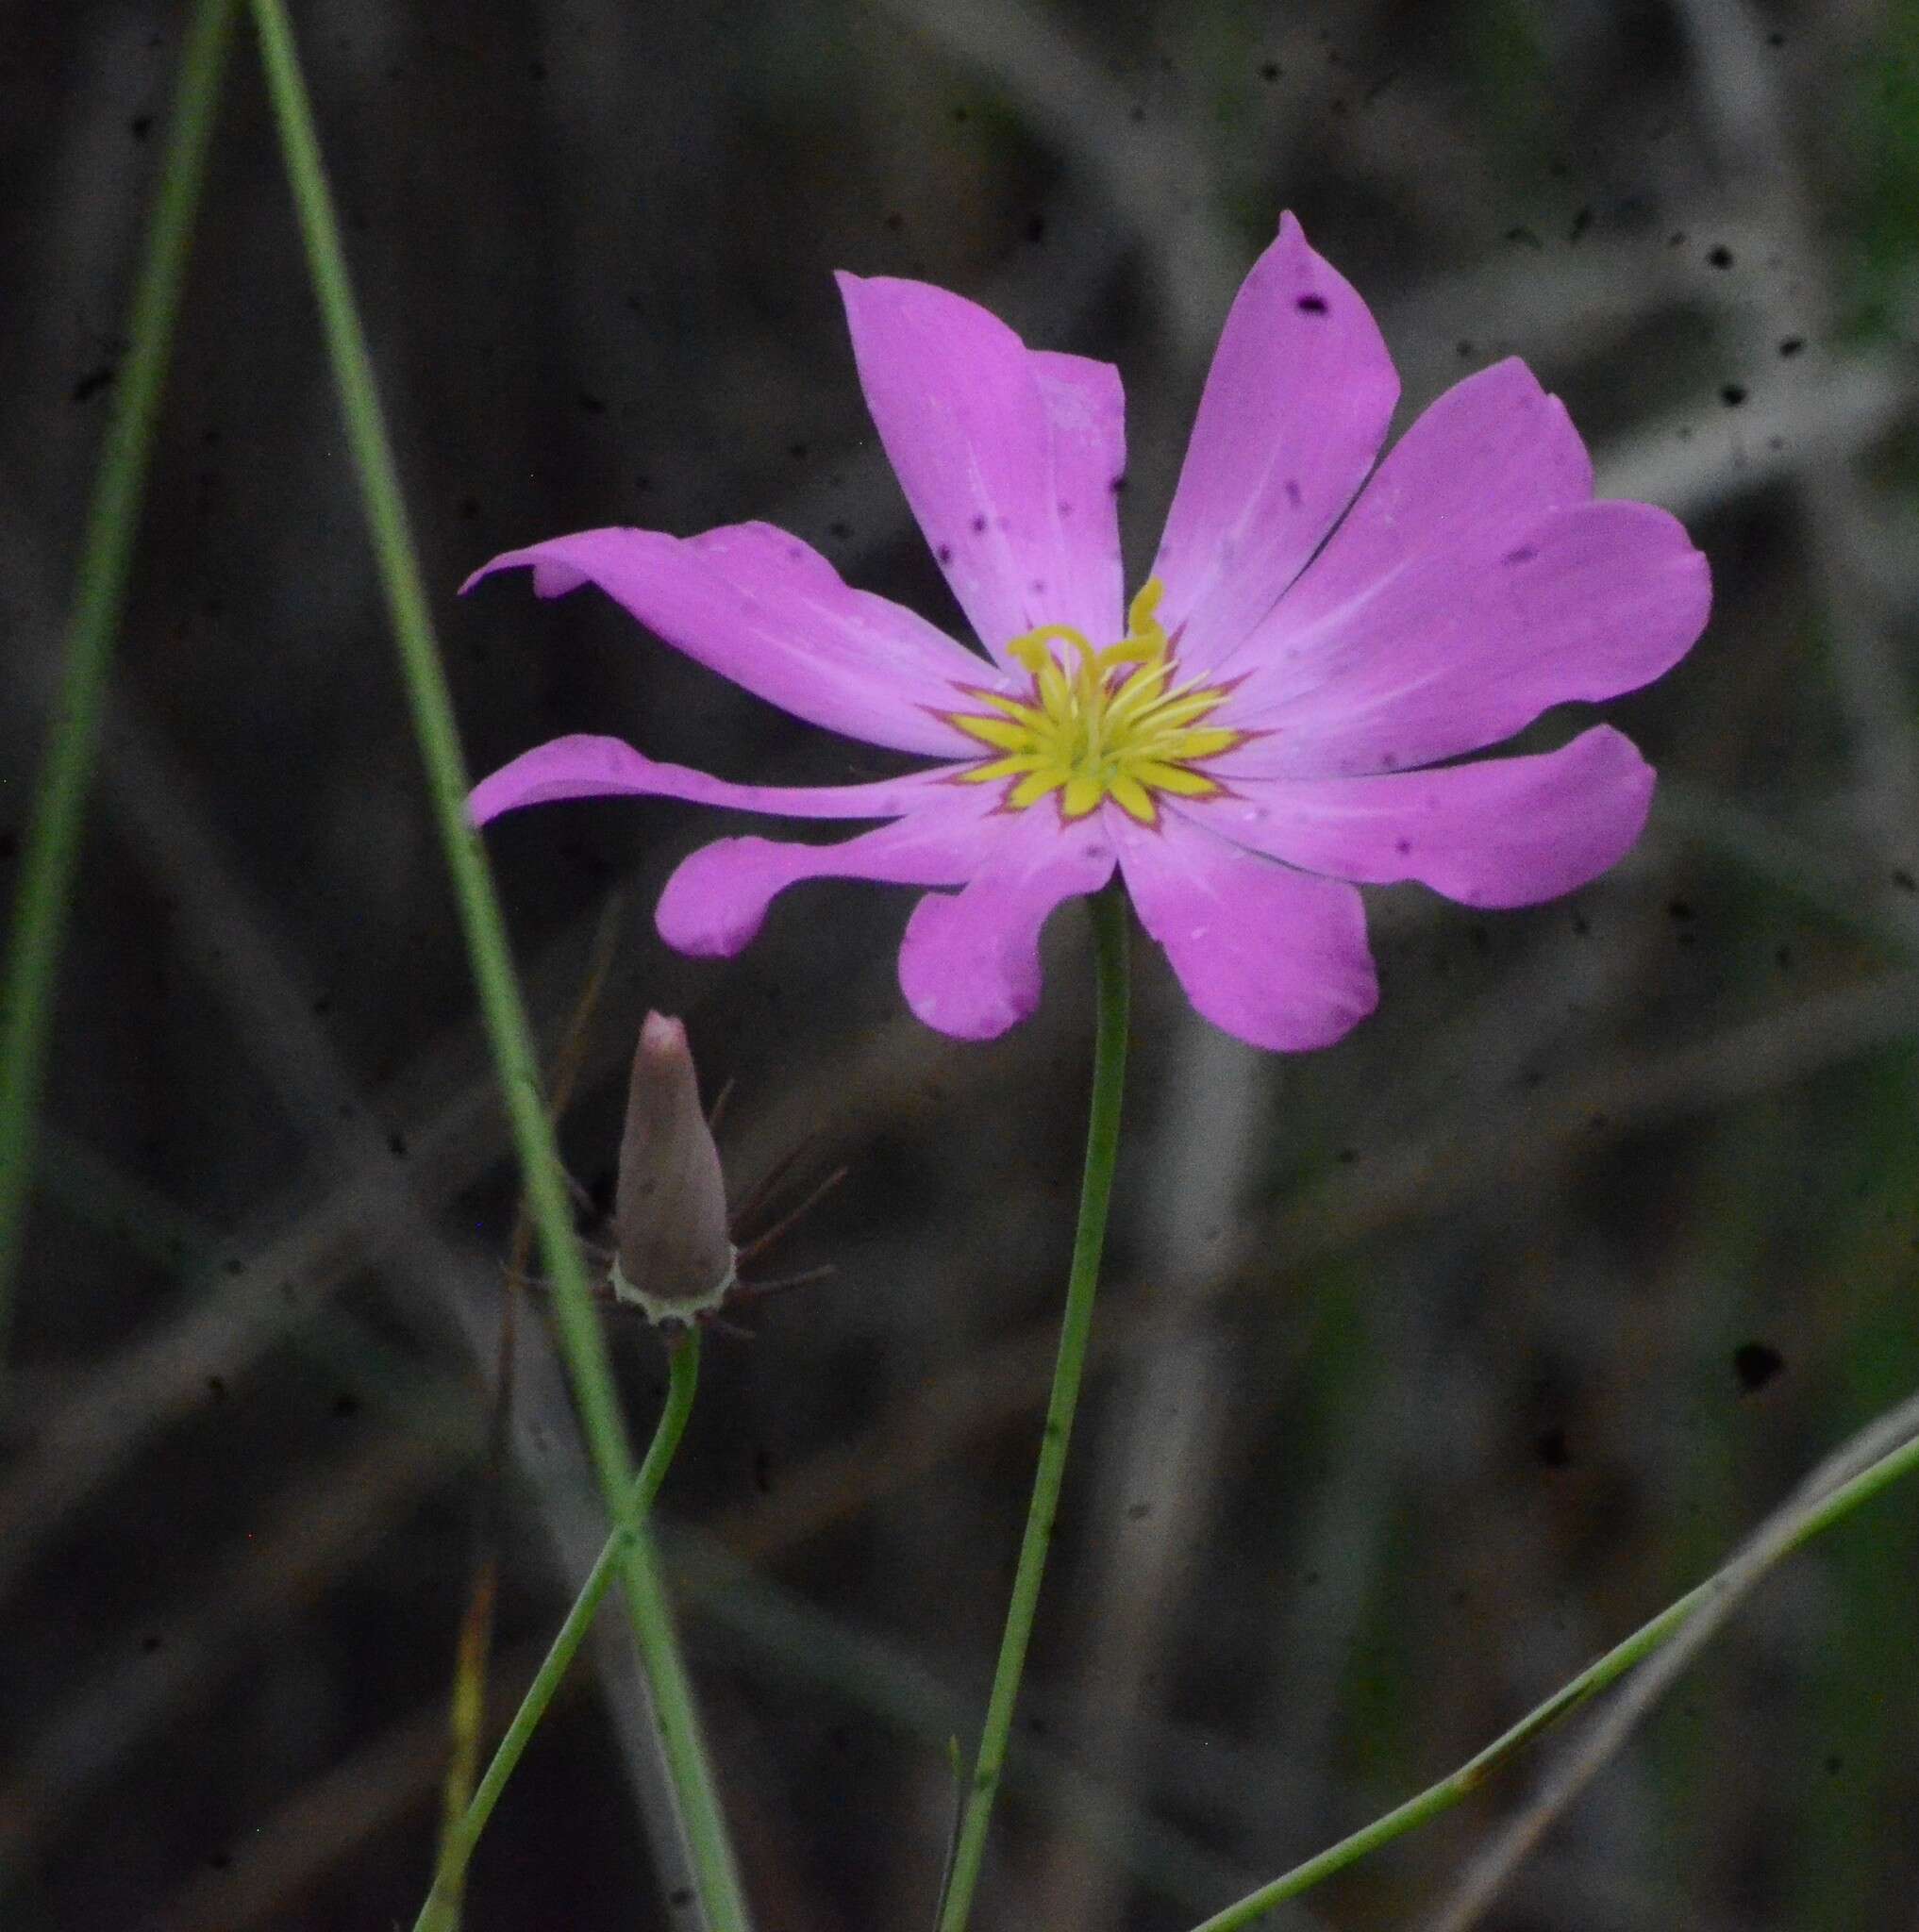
[
  {"x": 1877, "y": 1450},
  {"x": 1881, "y": 1454}
]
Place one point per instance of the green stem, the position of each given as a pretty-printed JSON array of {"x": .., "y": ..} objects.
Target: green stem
[
  {"x": 1095, "y": 1195},
  {"x": 510, "y": 1037},
  {"x": 53, "y": 840},
  {"x": 441, "y": 1907},
  {"x": 1596, "y": 1677}
]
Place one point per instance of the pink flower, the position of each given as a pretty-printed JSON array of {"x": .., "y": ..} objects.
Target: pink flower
[{"x": 1254, "y": 735}]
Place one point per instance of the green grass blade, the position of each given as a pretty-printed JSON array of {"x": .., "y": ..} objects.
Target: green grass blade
[
  {"x": 501, "y": 1007},
  {"x": 53, "y": 840}
]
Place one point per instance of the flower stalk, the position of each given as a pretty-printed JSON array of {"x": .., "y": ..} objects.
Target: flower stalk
[{"x": 1109, "y": 921}]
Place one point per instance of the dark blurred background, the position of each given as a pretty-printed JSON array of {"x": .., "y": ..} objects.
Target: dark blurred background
[{"x": 1428, "y": 1366}]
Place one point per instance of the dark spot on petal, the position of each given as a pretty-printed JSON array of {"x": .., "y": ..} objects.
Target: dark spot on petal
[
  {"x": 1293, "y": 495},
  {"x": 1792, "y": 345},
  {"x": 1402, "y": 846},
  {"x": 1524, "y": 554},
  {"x": 92, "y": 383},
  {"x": 1065, "y": 509},
  {"x": 1388, "y": 760},
  {"x": 1732, "y": 394},
  {"x": 1310, "y": 304},
  {"x": 1037, "y": 587},
  {"x": 980, "y": 526},
  {"x": 1755, "y": 1363},
  {"x": 944, "y": 553},
  {"x": 1719, "y": 255}
]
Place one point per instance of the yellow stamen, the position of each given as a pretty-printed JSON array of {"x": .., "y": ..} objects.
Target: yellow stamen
[{"x": 1099, "y": 724}]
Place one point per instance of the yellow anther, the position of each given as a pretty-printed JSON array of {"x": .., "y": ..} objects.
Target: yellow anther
[{"x": 1099, "y": 724}]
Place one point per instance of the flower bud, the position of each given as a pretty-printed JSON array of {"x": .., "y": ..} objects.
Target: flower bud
[{"x": 674, "y": 1257}]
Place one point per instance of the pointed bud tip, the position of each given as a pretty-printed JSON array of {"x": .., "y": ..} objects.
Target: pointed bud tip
[{"x": 661, "y": 1036}]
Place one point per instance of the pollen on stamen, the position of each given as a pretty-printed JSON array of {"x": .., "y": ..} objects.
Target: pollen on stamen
[{"x": 1099, "y": 724}]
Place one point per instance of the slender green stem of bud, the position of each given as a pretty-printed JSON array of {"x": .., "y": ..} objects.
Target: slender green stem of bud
[
  {"x": 1110, "y": 916},
  {"x": 457, "y": 1850}
]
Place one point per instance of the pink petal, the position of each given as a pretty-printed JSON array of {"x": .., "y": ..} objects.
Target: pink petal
[
  {"x": 1503, "y": 832},
  {"x": 1469, "y": 644},
  {"x": 770, "y": 612},
  {"x": 970, "y": 964},
  {"x": 1008, "y": 457},
  {"x": 1294, "y": 410},
  {"x": 1277, "y": 957},
  {"x": 717, "y": 899},
  {"x": 587, "y": 766},
  {"x": 1086, "y": 425},
  {"x": 1494, "y": 450}
]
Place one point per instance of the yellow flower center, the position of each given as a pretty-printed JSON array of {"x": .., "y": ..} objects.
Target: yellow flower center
[{"x": 1100, "y": 724}]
